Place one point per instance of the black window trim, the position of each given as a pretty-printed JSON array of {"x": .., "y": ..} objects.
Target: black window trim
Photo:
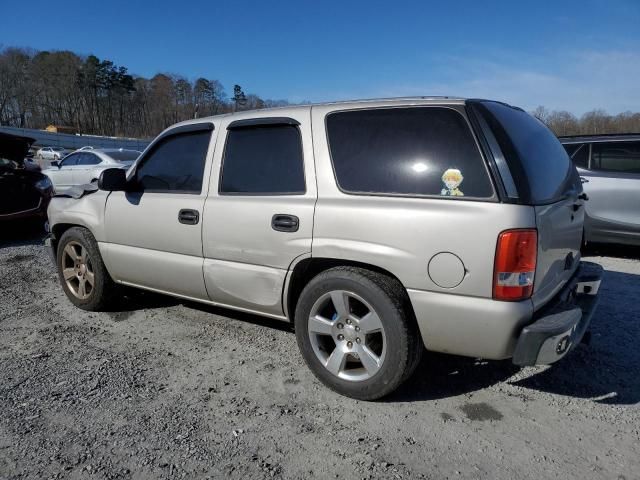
[
  {"x": 172, "y": 132},
  {"x": 247, "y": 124},
  {"x": 493, "y": 198},
  {"x": 259, "y": 121}
]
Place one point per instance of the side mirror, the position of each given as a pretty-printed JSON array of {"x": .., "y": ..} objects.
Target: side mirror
[
  {"x": 55, "y": 163},
  {"x": 113, "y": 180}
]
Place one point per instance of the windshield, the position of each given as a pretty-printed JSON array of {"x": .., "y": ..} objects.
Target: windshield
[
  {"x": 537, "y": 160},
  {"x": 58, "y": 149}
]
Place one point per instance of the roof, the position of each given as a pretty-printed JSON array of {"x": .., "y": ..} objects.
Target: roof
[
  {"x": 607, "y": 137},
  {"x": 282, "y": 111}
]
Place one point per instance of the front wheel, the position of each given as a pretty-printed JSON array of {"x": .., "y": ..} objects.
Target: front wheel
[
  {"x": 357, "y": 333},
  {"x": 82, "y": 273}
]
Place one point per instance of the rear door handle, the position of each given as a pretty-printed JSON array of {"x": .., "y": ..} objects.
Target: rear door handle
[
  {"x": 188, "y": 216},
  {"x": 281, "y": 222}
]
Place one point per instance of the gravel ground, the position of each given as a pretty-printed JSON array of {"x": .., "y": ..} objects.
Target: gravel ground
[{"x": 163, "y": 389}]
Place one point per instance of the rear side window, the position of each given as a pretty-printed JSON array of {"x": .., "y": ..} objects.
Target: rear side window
[
  {"x": 407, "y": 151},
  {"x": 616, "y": 157},
  {"x": 263, "y": 160},
  {"x": 175, "y": 164},
  {"x": 538, "y": 162}
]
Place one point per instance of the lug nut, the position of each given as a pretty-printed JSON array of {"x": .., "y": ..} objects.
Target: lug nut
[
  {"x": 340, "y": 326},
  {"x": 358, "y": 340},
  {"x": 349, "y": 344},
  {"x": 357, "y": 328},
  {"x": 340, "y": 337},
  {"x": 348, "y": 321}
]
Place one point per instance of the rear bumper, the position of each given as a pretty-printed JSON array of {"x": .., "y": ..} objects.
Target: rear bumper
[{"x": 560, "y": 326}]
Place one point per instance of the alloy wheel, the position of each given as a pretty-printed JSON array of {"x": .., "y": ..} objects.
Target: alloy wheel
[
  {"x": 347, "y": 335},
  {"x": 77, "y": 270}
]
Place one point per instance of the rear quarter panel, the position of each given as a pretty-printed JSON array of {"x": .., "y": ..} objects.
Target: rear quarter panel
[{"x": 402, "y": 234}]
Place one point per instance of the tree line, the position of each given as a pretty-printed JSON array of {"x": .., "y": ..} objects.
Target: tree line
[
  {"x": 94, "y": 96},
  {"x": 591, "y": 123}
]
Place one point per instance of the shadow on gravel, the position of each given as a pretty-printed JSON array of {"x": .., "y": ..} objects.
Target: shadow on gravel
[
  {"x": 17, "y": 234},
  {"x": 441, "y": 376},
  {"x": 607, "y": 370},
  {"x": 271, "y": 323}
]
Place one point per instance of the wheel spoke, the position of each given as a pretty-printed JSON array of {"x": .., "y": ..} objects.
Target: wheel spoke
[
  {"x": 82, "y": 288},
  {"x": 90, "y": 278},
  {"x": 370, "y": 361},
  {"x": 336, "y": 361},
  {"x": 370, "y": 323},
  {"x": 318, "y": 324},
  {"x": 83, "y": 255},
  {"x": 340, "y": 301},
  {"x": 69, "y": 250},
  {"x": 68, "y": 273}
]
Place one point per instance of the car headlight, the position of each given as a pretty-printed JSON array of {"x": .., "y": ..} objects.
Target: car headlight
[{"x": 44, "y": 184}]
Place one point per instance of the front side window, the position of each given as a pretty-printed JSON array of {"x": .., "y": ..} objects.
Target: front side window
[
  {"x": 407, "y": 151},
  {"x": 175, "y": 164},
  {"x": 580, "y": 156},
  {"x": 263, "y": 160},
  {"x": 88, "y": 159},
  {"x": 616, "y": 157},
  {"x": 71, "y": 160}
]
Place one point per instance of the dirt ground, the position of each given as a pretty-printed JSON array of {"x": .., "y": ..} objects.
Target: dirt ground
[{"x": 160, "y": 388}]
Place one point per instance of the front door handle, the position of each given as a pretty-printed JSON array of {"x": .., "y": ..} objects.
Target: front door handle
[
  {"x": 281, "y": 222},
  {"x": 188, "y": 216},
  {"x": 584, "y": 180}
]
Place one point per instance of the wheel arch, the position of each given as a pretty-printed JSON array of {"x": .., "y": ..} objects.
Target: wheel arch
[{"x": 307, "y": 268}]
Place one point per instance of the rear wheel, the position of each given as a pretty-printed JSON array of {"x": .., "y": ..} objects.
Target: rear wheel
[
  {"x": 82, "y": 273},
  {"x": 355, "y": 332}
]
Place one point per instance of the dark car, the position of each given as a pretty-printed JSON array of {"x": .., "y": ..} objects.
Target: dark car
[
  {"x": 24, "y": 193},
  {"x": 609, "y": 166}
]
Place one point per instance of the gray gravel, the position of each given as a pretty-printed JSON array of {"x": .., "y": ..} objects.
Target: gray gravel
[{"x": 163, "y": 389}]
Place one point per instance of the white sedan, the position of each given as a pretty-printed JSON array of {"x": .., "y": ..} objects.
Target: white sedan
[
  {"x": 51, "y": 153},
  {"x": 82, "y": 167}
]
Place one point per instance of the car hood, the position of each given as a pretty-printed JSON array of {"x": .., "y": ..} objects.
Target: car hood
[{"x": 14, "y": 147}]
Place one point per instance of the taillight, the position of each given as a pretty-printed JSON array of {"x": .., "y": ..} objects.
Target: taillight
[{"x": 515, "y": 264}]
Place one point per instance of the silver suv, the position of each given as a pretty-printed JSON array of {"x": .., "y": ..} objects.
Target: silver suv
[{"x": 377, "y": 228}]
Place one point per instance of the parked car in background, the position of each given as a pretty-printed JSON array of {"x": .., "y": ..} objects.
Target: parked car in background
[
  {"x": 24, "y": 193},
  {"x": 376, "y": 227},
  {"x": 85, "y": 166},
  {"x": 51, "y": 153},
  {"x": 610, "y": 169}
]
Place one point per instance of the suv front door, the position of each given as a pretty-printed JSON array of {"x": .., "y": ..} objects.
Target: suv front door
[
  {"x": 154, "y": 232},
  {"x": 258, "y": 217}
]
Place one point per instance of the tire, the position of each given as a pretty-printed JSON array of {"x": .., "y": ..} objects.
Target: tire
[
  {"x": 375, "y": 303},
  {"x": 84, "y": 266}
]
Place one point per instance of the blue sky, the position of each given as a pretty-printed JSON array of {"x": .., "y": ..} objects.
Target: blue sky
[{"x": 573, "y": 55}]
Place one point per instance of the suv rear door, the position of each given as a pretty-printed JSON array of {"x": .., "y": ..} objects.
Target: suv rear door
[
  {"x": 258, "y": 217},
  {"x": 545, "y": 178}
]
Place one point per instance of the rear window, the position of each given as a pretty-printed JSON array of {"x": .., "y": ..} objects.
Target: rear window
[
  {"x": 538, "y": 162},
  {"x": 124, "y": 156},
  {"x": 407, "y": 151}
]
